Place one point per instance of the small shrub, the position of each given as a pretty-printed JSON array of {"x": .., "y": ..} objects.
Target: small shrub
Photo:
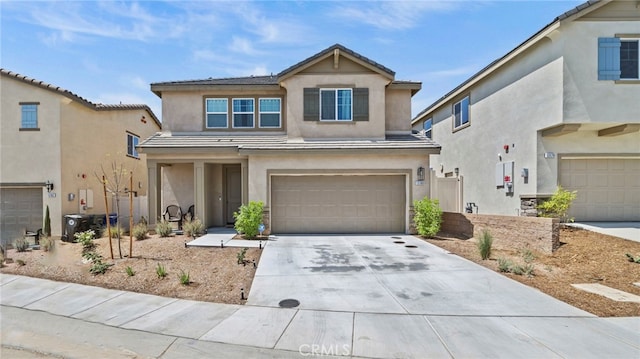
[
  {"x": 21, "y": 245},
  {"x": 193, "y": 228},
  {"x": 427, "y": 217},
  {"x": 86, "y": 239},
  {"x": 47, "y": 223},
  {"x": 139, "y": 231},
  {"x": 130, "y": 271},
  {"x": 161, "y": 271},
  {"x": 527, "y": 255},
  {"x": 484, "y": 244},
  {"x": 20, "y": 262},
  {"x": 116, "y": 231},
  {"x": 241, "y": 255},
  {"x": 632, "y": 259},
  {"x": 163, "y": 228},
  {"x": 47, "y": 244},
  {"x": 248, "y": 219},
  {"x": 91, "y": 256},
  {"x": 504, "y": 265},
  {"x": 184, "y": 278},
  {"x": 558, "y": 205},
  {"x": 99, "y": 267}
]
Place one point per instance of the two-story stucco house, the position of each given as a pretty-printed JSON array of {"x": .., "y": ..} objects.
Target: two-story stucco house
[
  {"x": 326, "y": 145},
  {"x": 562, "y": 108},
  {"x": 52, "y": 145}
]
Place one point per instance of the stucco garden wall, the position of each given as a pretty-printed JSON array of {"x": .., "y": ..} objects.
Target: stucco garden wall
[{"x": 509, "y": 232}]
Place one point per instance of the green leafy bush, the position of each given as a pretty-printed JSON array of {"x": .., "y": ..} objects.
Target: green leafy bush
[
  {"x": 427, "y": 216},
  {"x": 248, "y": 219},
  {"x": 193, "y": 228},
  {"x": 484, "y": 244},
  {"x": 557, "y": 206},
  {"x": 139, "y": 231},
  {"x": 507, "y": 266},
  {"x": 21, "y": 244},
  {"x": 163, "y": 228},
  {"x": 504, "y": 265},
  {"x": 99, "y": 267},
  {"x": 86, "y": 239},
  {"x": 240, "y": 255},
  {"x": 116, "y": 231},
  {"x": 161, "y": 271}
]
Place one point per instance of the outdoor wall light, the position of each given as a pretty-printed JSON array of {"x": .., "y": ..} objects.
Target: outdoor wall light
[
  {"x": 49, "y": 186},
  {"x": 456, "y": 171},
  {"x": 420, "y": 173}
]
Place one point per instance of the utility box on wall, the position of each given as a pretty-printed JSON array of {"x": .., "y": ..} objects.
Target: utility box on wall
[
  {"x": 504, "y": 175},
  {"x": 85, "y": 199}
]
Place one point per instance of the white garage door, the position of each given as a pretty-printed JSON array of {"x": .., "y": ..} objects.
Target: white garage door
[
  {"x": 21, "y": 209},
  {"x": 338, "y": 204},
  {"x": 608, "y": 188}
]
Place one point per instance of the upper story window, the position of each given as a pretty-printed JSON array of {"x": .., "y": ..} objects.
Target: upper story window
[
  {"x": 427, "y": 128},
  {"x": 29, "y": 119},
  {"x": 461, "y": 113},
  {"x": 132, "y": 142},
  {"x": 269, "y": 109},
  {"x": 243, "y": 110},
  {"x": 216, "y": 112},
  {"x": 618, "y": 58},
  {"x": 335, "y": 105}
]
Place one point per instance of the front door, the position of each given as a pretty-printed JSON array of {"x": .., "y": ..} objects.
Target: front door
[{"x": 233, "y": 192}]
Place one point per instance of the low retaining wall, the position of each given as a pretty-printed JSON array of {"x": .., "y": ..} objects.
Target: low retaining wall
[{"x": 509, "y": 232}]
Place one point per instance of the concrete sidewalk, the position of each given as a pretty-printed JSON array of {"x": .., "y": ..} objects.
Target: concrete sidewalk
[{"x": 625, "y": 230}]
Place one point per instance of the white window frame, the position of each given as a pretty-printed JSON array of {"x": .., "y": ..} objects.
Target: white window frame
[
  {"x": 135, "y": 140},
  {"x": 207, "y": 113},
  {"x": 468, "y": 111},
  {"x": 626, "y": 39},
  {"x": 335, "y": 90},
  {"x": 260, "y": 112},
  {"x": 234, "y": 113},
  {"x": 428, "y": 133}
]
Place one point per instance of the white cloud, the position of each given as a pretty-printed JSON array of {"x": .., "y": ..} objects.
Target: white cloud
[
  {"x": 393, "y": 15},
  {"x": 243, "y": 46}
]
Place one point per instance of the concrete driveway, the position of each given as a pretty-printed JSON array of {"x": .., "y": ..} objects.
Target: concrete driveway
[
  {"x": 625, "y": 230},
  {"x": 390, "y": 274}
]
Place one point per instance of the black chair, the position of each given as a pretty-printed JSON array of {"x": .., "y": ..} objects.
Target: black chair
[
  {"x": 35, "y": 235},
  {"x": 173, "y": 213},
  {"x": 191, "y": 213}
]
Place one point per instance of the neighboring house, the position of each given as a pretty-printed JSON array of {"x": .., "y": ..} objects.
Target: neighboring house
[
  {"x": 51, "y": 135},
  {"x": 325, "y": 144},
  {"x": 562, "y": 108}
]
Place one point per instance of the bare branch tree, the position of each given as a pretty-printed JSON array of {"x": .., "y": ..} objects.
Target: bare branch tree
[{"x": 115, "y": 182}]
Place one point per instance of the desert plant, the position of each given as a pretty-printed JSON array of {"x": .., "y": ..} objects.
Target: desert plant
[
  {"x": 527, "y": 255},
  {"x": 161, "y": 271},
  {"x": 139, "y": 231},
  {"x": 20, "y": 262},
  {"x": 184, "y": 278},
  {"x": 484, "y": 244},
  {"x": 21, "y": 245},
  {"x": 130, "y": 271},
  {"x": 91, "y": 256},
  {"x": 427, "y": 216},
  {"x": 193, "y": 227},
  {"x": 632, "y": 259},
  {"x": 240, "y": 255},
  {"x": 47, "y": 244},
  {"x": 507, "y": 266},
  {"x": 99, "y": 267},
  {"x": 163, "y": 228},
  {"x": 116, "y": 231},
  {"x": 86, "y": 239},
  {"x": 248, "y": 218},
  {"x": 504, "y": 265},
  {"x": 47, "y": 223},
  {"x": 557, "y": 206}
]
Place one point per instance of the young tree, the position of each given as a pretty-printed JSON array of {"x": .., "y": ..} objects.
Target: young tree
[{"x": 114, "y": 182}]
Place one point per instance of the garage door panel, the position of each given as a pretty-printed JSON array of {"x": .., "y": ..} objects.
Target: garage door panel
[
  {"x": 21, "y": 209},
  {"x": 608, "y": 189},
  {"x": 347, "y": 204}
]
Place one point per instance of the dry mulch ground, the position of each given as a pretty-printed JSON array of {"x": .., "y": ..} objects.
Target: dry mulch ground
[
  {"x": 214, "y": 273},
  {"x": 584, "y": 257}
]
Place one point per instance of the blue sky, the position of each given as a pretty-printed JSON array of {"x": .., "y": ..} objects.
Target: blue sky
[{"x": 111, "y": 51}]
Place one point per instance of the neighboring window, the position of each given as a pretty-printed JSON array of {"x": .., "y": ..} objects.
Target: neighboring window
[
  {"x": 243, "y": 111},
  {"x": 461, "y": 113},
  {"x": 335, "y": 105},
  {"x": 216, "y": 112},
  {"x": 629, "y": 59},
  {"x": 269, "y": 112},
  {"x": 618, "y": 59},
  {"x": 132, "y": 142},
  {"x": 29, "y": 115},
  {"x": 427, "y": 128}
]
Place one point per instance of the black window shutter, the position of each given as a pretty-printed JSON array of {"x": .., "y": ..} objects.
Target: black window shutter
[
  {"x": 361, "y": 104},
  {"x": 312, "y": 104}
]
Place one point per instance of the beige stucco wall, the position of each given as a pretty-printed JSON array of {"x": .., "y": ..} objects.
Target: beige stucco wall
[
  {"x": 298, "y": 128},
  {"x": 73, "y": 141},
  {"x": 553, "y": 82},
  {"x": 398, "y": 111},
  {"x": 262, "y": 166},
  {"x": 178, "y": 185}
]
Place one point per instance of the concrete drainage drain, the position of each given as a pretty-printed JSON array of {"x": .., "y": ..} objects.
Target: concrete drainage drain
[
  {"x": 399, "y": 242},
  {"x": 289, "y": 303},
  {"x": 411, "y": 246}
]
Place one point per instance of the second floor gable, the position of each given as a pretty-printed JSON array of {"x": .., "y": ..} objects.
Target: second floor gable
[{"x": 336, "y": 94}]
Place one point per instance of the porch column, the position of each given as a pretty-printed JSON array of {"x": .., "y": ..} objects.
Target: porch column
[
  {"x": 153, "y": 192},
  {"x": 244, "y": 165},
  {"x": 198, "y": 187}
]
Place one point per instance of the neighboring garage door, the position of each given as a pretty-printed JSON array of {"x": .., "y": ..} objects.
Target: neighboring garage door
[
  {"x": 338, "y": 204},
  {"x": 21, "y": 209},
  {"x": 608, "y": 188}
]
